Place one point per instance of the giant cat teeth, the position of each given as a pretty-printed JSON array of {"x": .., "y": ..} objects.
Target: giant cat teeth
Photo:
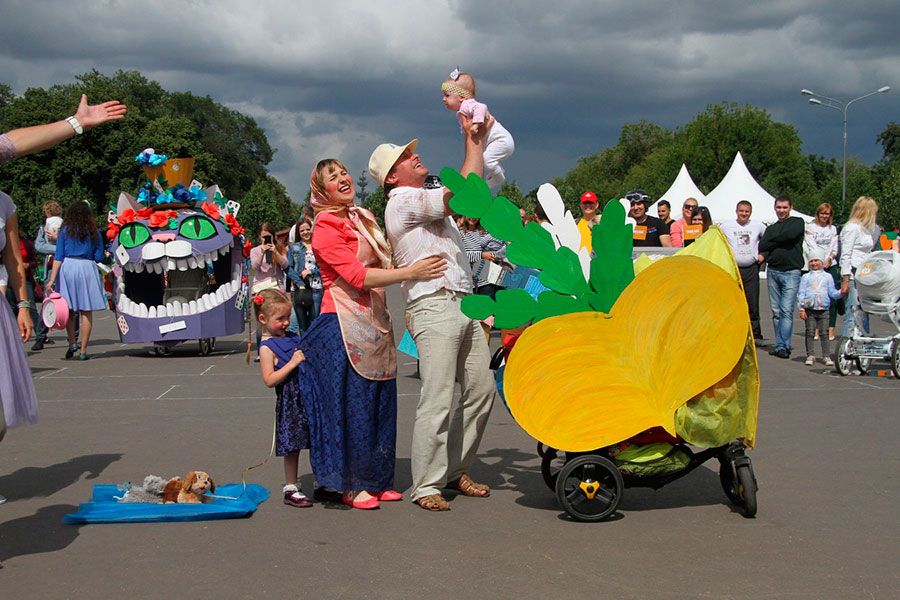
[{"x": 208, "y": 301}]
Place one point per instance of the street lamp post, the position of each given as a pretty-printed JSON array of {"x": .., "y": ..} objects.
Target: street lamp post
[{"x": 841, "y": 107}]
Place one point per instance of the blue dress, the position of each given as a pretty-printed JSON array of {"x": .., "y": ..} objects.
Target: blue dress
[
  {"x": 353, "y": 420},
  {"x": 291, "y": 423}
]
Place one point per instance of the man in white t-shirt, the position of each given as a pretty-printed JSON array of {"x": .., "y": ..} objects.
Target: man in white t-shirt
[
  {"x": 743, "y": 236},
  {"x": 451, "y": 346}
]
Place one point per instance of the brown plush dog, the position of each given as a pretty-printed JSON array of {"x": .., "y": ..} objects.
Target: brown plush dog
[
  {"x": 193, "y": 487},
  {"x": 171, "y": 491}
]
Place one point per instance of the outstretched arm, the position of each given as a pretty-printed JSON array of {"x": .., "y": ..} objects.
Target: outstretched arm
[{"x": 29, "y": 140}]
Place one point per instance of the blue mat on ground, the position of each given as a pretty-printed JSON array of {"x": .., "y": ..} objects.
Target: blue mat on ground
[{"x": 103, "y": 507}]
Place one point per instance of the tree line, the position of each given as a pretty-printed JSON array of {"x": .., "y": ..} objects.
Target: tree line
[
  {"x": 230, "y": 149},
  {"x": 649, "y": 156}
]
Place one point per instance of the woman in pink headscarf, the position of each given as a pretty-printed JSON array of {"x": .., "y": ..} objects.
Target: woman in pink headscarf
[{"x": 347, "y": 382}]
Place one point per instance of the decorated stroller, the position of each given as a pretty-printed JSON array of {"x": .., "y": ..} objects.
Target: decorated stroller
[
  {"x": 180, "y": 265},
  {"x": 878, "y": 293},
  {"x": 624, "y": 367}
]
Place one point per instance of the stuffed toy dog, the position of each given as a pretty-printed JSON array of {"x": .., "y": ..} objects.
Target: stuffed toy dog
[
  {"x": 153, "y": 490},
  {"x": 194, "y": 487}
]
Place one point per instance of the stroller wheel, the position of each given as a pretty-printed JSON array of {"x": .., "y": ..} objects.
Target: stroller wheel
[
  {"x": 842, "y": 358},
  {"x": 551, "y": 464},
  {"x": 738, "y": 480},
  {"x": 589, "y": 487},
  {"x": 895, "y": 358}
]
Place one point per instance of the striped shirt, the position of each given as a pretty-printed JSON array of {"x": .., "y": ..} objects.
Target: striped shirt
[{"x": 417, "y": 228}]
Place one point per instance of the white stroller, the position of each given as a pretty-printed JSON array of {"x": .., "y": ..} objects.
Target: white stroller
[{"x": 878, "y": 293}]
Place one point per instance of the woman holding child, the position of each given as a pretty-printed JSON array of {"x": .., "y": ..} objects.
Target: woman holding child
[{"x": 347, "y": 383}]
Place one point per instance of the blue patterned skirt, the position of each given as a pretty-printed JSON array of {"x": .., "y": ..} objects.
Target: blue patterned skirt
[{"x": 352, "y": 420}]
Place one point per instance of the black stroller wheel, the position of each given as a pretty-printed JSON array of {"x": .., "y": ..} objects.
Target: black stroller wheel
[
  {"x": 551, "y": 464},
  {"x": 738, "y": 481},
  {"x": 747, "y": 489},
  {"x": 589, "y": 488},
  {"x": 842, "y": 360}
]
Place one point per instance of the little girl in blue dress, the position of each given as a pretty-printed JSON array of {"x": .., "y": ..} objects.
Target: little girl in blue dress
[{"x": 279, "y": 357}]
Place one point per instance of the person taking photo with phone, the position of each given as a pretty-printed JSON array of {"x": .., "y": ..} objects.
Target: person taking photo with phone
[{"x": 268, "y": 260}]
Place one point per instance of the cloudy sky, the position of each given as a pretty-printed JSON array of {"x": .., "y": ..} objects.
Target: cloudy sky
[{"x": 336, "y": 77}]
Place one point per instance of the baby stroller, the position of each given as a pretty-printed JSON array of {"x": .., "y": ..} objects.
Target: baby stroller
[{"x": 878, "y": 293}]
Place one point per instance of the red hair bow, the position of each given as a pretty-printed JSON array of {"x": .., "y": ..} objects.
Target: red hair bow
[{"x": 258, "y": 299}]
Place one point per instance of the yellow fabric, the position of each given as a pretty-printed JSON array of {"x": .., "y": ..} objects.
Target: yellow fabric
[
  {"x": 587, "y": 380},
  {"x": 729, "y": 409},
  {"x": 585, "y": 232}
]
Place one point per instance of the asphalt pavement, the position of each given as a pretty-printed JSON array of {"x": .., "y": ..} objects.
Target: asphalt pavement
[{"x": 826, "y": 461}]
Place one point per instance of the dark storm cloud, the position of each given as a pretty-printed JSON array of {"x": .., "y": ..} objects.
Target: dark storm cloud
[{"x": 338, "y": 78}]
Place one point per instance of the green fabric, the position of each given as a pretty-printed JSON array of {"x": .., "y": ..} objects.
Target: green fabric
[{"x": 651, "y": 459}]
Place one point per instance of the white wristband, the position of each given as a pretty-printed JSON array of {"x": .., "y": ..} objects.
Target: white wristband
[{"x": 75, "y": 125}]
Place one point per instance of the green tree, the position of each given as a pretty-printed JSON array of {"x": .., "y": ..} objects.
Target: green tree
[
  {"x": 376, "y": 202},
  {"x": 361, "y": 185},
  {"x": 889, "y": 204},
  {"x": 266, "y": 202},
  {"x": 890, "y": 141},
  {"x": 230, "y": 148}
]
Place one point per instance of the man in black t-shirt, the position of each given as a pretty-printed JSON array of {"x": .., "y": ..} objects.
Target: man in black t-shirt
[{"x": 648, "y": 231}]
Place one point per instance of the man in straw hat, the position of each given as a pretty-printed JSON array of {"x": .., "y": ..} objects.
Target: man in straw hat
[{"x": 451, "y": 346}]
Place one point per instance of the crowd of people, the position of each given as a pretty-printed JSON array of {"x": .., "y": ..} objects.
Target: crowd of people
[{"x": 324, "y": 334}]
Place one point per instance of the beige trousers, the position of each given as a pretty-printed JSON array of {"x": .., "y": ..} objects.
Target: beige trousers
[{"x": 452, "y": 348}]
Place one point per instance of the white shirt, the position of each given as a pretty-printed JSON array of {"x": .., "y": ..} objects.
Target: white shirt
[
  {"x": 821, "y": 238},
  {"x": 856, "y": 242},
  {"x": 418, "y": 228},
  {"x": 744, "y": 240}
]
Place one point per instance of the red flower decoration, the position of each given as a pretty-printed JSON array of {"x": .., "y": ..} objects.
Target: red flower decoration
[
  {"x": 144, "y": 213},
  {"x": 258, "y": 300},
  {"x": 233, "y": 225},
  {"x": 112, "y": 231},
  {"x": 211, "y": 209},
  {"x": 247, "y": 247},
  {"x": 128, "y": 215},
  {"x": 161, "y": 218}
]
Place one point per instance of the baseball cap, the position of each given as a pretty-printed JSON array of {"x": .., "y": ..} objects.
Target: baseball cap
[
  {"x": 589, "y": 197},
  {"x": 384, "y": 157}
]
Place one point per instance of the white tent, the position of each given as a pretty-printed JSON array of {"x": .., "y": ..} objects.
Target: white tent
[
  {"x": 738, "y": 184},
  {"x": 681, "y": 189}
]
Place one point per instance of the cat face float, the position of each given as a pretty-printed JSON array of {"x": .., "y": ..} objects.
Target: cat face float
[{"x": 180, "y": 265}]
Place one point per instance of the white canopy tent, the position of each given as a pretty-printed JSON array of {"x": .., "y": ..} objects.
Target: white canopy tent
[
  {"x": 681, "y": 189},
  {"x": 738, "y": 184}
]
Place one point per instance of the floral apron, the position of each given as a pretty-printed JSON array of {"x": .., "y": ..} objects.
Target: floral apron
[{"x": 366, "y": 323}]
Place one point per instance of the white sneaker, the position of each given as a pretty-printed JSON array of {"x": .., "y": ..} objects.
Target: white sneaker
[
  {"x": 829, "y": 362},
  {"x": 810, "y": 360}
]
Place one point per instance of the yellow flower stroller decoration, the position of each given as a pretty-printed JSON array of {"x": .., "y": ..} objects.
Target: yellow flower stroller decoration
[{"x": 672, "y": 356}]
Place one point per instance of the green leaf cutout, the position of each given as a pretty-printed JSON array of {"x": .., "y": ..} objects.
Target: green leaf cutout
[
  {"x": 611, "y": 268},
  {"x": 502, "y": 220},
  {"x": 478, "y": 307}
]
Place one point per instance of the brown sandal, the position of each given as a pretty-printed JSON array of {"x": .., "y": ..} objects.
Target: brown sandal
[
  {"x": 433, "y": 502},
  {"x": 467, "y": 487}
]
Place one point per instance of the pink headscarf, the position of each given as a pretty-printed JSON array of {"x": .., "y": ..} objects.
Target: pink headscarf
[{"x": 363, "y": 221}]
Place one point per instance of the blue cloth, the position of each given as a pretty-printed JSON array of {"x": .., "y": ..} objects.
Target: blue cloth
[
  {"x": 80, "y": 285},
  {"x": 68, "y": 246},
  {"x": 783, "y": 288},
  {"x": 103, "y": 507},
  {"x": 291, "y": 424},
  {"x": 352, "y": 420},
  {"x": 817, "y": 290},
  {"x": 297, "y": 262}
]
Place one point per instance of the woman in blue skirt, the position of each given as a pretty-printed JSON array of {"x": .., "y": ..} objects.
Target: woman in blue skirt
[
  {"x": 347, "y": 383},
  {"x": 79, "y": 248}
]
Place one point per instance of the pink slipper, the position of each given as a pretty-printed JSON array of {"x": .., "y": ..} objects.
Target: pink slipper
[
  {"x": 369, "y": 504},
  {"x": 389, "y": 496}
]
